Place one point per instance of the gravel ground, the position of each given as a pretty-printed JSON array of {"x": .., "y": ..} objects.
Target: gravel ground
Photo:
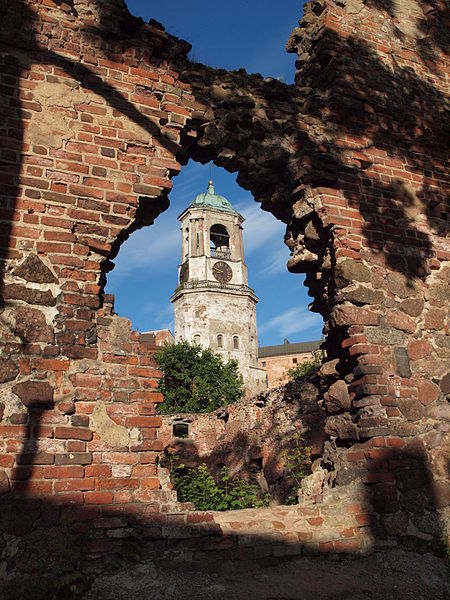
[{"x": 395, "y": 574}]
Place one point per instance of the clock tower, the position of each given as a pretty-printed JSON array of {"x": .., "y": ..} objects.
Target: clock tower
[{"x": 213, "y": 305}]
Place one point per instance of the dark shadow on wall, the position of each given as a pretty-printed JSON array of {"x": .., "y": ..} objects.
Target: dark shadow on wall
[
  {"x": 47, "y": 527},
  {"x": 281, "y": 426},
  {"x": 70, "y": 546}
]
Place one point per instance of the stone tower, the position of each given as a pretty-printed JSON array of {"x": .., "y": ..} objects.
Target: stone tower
[{"x": 213, "y": 305}]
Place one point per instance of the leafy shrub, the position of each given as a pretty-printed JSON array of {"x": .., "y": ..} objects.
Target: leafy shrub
[
  {"x": 297, "y": 467},
  {"x": 195, "y": 380},
  {"x": 306, "y": 368},
  {"x": 198, "y": 486}
]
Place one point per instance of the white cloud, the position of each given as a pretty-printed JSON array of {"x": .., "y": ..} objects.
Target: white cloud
[
  {"x": 260, "y": 227},
  {"x": 276, "y": 264},
  {"x": 154, "y": 248},
  {"x": 290, "y": 322}
]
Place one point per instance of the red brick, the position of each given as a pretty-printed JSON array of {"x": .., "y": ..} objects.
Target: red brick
[
  {"x": 117, "y": 484},
  {"x": 143, "y": 421},
  {"x": 74, "y": 485},
  {"x": 150, "y": 483},
  {"x": 97, "y": 471},
  {"x": 98, "y": 498}
]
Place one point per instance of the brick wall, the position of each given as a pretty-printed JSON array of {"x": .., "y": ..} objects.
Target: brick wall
[{"x": 98, "y": 112}]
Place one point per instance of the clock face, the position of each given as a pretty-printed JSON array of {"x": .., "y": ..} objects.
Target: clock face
[
  {"x": 184, "y": 273},
  {"x": 222, "y": 272}
]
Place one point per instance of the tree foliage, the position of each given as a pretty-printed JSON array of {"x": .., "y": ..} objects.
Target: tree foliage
[
  {"x": 195, "y": 380},
  {"x": 198, "y": 486},
  {"x": 305, "y": 368}
]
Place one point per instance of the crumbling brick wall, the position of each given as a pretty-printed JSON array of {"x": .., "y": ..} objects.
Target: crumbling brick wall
[
  {"x": 99, "y": 110},
  {"x": 252, "y": 437}
]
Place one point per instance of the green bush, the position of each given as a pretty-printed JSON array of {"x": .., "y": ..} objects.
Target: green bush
[
  {"x": 297, "y": 467},
  {"x": 195, "y": 380},
  {"x": 306, "y": 368},
  {"x": 198, "y": 486}
]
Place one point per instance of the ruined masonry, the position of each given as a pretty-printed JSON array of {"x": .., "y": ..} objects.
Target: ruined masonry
[
  {"x": 213, "y": 305},
  {"x": 98, "y": 113}
]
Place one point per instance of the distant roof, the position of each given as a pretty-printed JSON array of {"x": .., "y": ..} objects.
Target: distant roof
[
  {"x": 288, "y": 348},
  {"x": 210, "y": 199}
]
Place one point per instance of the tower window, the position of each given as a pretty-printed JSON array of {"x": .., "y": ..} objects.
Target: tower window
[
  {"x": 219, "y": 242},
  {"x": 236, "y": 342},
  {"x": 220, "y": 340},
  {"x": 294, "y": 360},
  {"x": 197, "y": 339}
]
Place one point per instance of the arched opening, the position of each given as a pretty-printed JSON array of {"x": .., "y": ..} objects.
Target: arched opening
[
  {"x": 282, "y": 307},
  {"x": 219, "y": 242}
]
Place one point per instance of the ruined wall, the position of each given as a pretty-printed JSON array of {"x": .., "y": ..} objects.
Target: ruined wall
[
  {"x": 360, "y": 155},
  {"x": 98, "y": 112},
  {"x": 252, "y": 437}
]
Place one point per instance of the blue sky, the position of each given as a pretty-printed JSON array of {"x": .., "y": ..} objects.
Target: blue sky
[{"x": 231, "y": 36}]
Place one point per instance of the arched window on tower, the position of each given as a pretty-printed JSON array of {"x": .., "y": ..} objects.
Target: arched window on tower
[
  {"x": 236, "y": 342},
  {"x": 219, "y": 242},
  {"x": 219, "y": 340},
  {"x": 197, "y": 339}
]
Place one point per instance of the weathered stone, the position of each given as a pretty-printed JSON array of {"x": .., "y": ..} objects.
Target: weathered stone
[
  {"x": 419, "y": 349},
  {"x": 345, "y": 315},
  {"x": 402, "y": 365},
  {"x": 385, "y": 336},
  {"x": 328, "y": 369},
  {"x": 384, "y": 498},
  {"x": 31, "y": 326},
  {"x": 415, "y": 448},
  {"x": 402, "y": 428},
  {"x": 341, "y": 427},
  {"x": 34, "y": 394},
  {"x": 15, "y": 291},
  {"x": 400, "y": 321},
  {"x": 413, "y": 477},
  {"x": 427, "y": 521},
  {"x": 347, "y": 474},
  {"x": 440, "y": 412},
  {"x": 8, "y": 369},
  {"x": 393, "y": 524},
  {"x": 116, "y": 436},
  {"x": 440, "y": 493},
  {"x": 435, "y": 318},
  {"x": 400, "y": 285},
  {"x": 445, "y": 384},
  {"x": 360, "y": 296},
  {"x": 337, "y": 399},
  {"x": 428, "y": 392},
  {"x": 444, "y": 274},
  {"x": 412, "y": 306},
  {"x": 413, "y": 500},
  {"x": 442, "y": 341},
  {"x": 438, "y": 291},
  {"x": 4, "y": 482},
  {"x": 412, "y": 409},
  {"x": 33, "y": 269},
  {"x": 2, "y": 411},
  {"x": 349, "y": 271},
  {"x": 118, "y": 332}
]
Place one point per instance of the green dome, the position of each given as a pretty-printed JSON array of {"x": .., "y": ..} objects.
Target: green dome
[{"x": 210, "y": 199}]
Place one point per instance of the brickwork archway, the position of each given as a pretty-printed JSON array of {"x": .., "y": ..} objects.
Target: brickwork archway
[{"x": 101, "y": 109}]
